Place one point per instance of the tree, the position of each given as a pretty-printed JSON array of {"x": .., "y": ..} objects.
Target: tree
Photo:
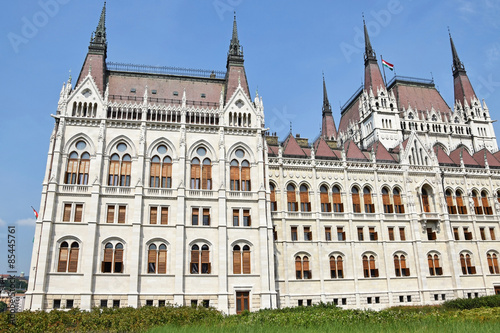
[{"x": 3, "y": 306}]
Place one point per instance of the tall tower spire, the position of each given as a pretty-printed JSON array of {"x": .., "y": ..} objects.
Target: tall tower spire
[
  {"x": 369, "y": 52},
  {"x": 235, "y": 50},
  {"x": 463, "y": 88},
  {"x": 328, "y": 128},
  {"x": 373, "y": 76},
  {"x": 98, "y": 42}
]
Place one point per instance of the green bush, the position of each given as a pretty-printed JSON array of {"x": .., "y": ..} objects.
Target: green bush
[{"x": 473, "y": 303}]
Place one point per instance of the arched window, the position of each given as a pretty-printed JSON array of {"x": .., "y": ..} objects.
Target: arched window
[
  {"x": 245, "y": 176},
  {"x": 198, "y": 257},
  {"x": 462, "y": 209},
  {"x": 400, "y": 265},
  {"x": 486, "y": 205},
  {"x": 367, "y": 198},
  {"x": 477, "y": 208},
  {"x": 195, "y": 173},
  {"x": 206, "y": 174},
  {"x": 398, "y": 204},
  {"x": 120, "y": 166},
  {"x": 77, "y": 171},
  {"x": 466, "y": 264},
  {"x": 386, "y": 201},
  {"x": 235, "y": 175},
  {"x": 157, "y": 259},
  {"x": 493, "y": 262},
  {"x": 336, "y": 267},
  {"x": 63, "y": 257},
  {"x": 302, "y": 270},
  {"x": 291, "y": 198},
  {"x": 338, "y": 206},
  {"x": 68, "y": 258},
  {"x": 274, "y": 204},
  {"x": 356, "y": 202},
  {"x": 369, "y": 269},
  {"x": 241, "y": 260},
  {"x": 434, "y": 266},
  {"x": 305, "y": 204},
  {"x": 425, "y": 201},
  {"x": 452, "y": 209},
  {"x": 161, "y": 169},
  {"x": 325, "y": 200},
  {"x": 113, "y": 258}
]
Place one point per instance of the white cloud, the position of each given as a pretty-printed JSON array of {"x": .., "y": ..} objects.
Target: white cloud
[
  {"x": 2, "y": 223},
  {"x": 26, "y": 222}
]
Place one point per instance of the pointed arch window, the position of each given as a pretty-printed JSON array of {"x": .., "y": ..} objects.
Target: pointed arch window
[
  {"x": 400, "y": 265},
  {"x": 478, "y": 210},
  {"x": 120, "y": 167},
  {"x": 113, "y": 258},
  {"x": 77, "y": 171},
  {"x": 206, "y": 174},
  {"x": 336, "y": 267},
  {"x": 161, "y": 169},
  {"x": 493, "y": 263},
  {"x": 462, "y": 209},
  {"x": 356, "y": 202},
  {"x": 305, "y": 204},
  {"x": 245, "y": 176},
  {"x": 399, "y": 208},
  {"x": 386, "y": 200},
  {"x": 466, "y": 264},
  {"x": 291, "y": 198},
  {"x": 369, "y": 266},
  {"x": 200, "y": 257},
  {"x": 367, "y": 199},
  {"x": 274, "y": 204},
  {"x": 235, "y": 175},
  {"x": 425, "y": 201},
  {"x": 325, "y": 200},
  {"x": 485, "y": 202},
  {"x": 302, "y": 270},
  {"x": 195, "y": 173},
  {"x": 452, "y": 209},
  {"x": 338, "y": 206}
]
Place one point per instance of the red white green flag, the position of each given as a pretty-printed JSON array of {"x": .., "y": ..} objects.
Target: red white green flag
[
  {"x": 388, "y": 65},
  {"x": 35, "y": 212}
]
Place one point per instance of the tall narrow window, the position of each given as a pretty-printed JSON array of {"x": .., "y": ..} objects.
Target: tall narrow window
[
  {"x": 493, "y": 263},
  {"x": 492, "y": 234},
  {"x": 164, "y": 215},
  {"x": 360, "y": 234},
  {"x": 462, "y": 209},
  {"x": 111, "y": 214},
  {"x": 236, "y": 259},
  {"x": 328, "y": 233},
  {"x": 386, "y": 200},
  {"x": 78, "y": 212},
  {"x": 302, "y": 270},
  {"x": 205, "y": 260},
  {"x": 72, "y": 169},
  {"x": 291, "y": 198},
  {"x": 456, "y": 235},
  {"x": 425, "y": 201},
  {"x": 118, "y": 267},
  {"x": 477, "y": 208},
  {"x": 449, "y": 202},
  {"x": 336, "y": 267},
  {"x": 466, "y": 264},
  {"x": 246, "y": 260},
  {"x": 307, "y": 234},
  {"x": 369, "y": 266},
  {"x": 341, "y": 234},
  {"x": 152, "y": 255},
  {"x": 195, "y": 260},
  {"x": 305, "y": 204},
  {"x": 400, "y": 265},
  {"x": 155, "y": 172},
  {"x": 67, "y": 213},
  {"x": 431, "y": 234},
  {"x": 206, "y": 216},
  {"x": 373, "y": 234},
  {"x": 274, "y": 206},
  {"x": 63, "y": 257},
  {"x": 236, "y": 217},
  {"x": 242, "y": 301},
  {"x": 356, "y": 202},
  {"x": 338, "y": 206},
  {"x": 434, "y": 267},
  {"x": 245, "y": 176},
  {"x": 391, "y": 233},
  {"x": 195, "y": 173},
  {"x": 398, "y": 204},
  {"x": 482, "y": 233},
  {"x": 122, "y": 210},
  {"x": 162, "y": 259},
  {"x": 194, "y": 216},
  {"x": 77, "y": 171},
  {"x": 294, "y": 233},
  {"x": 367, "y": 198},
  {"x": 125, "y": 170},
  {"x": 402, "y": 234},
  {"x": 206, "y": 175},
  {"x": 467, "y": 234},
  {"x": 107, "y": 263},
  {"x": 153, "y": 215},
  {"x": 247, "y": 222},
  {"x": 114, "y": 170},
  {"x": 486, "y": 205},
  {"x": 235, "y": 175},
  {"x": 325, "y": 200},
  {"x": 166, "y": 173},
  {"x": 73, "y": 257}
]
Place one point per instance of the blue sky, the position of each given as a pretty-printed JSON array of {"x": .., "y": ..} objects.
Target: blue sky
[{"x": 287, "y": 45}]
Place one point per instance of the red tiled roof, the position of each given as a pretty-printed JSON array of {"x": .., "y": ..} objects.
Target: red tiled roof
[
  {"x": 381, "y": 153},
  {"x": 353, "y": 152},
  {"x": 273, "y": 150},
  {"x": 350, "y": 114},
  {"x": 463, "y": 88},
  {"x": 373, "y": 77},
  {"x": 468, "y": 160},
  {"x": 479, "y": 157},
  {"x": 322, "y": 149},
  {"x": 291, "y": 147},
  {"x": 234, "y": 74},
  {"x": 497, "y": 155},
  {"x": 442, "y": 157},
  {"x": 396, "y": 149},
  {"x": 420, "y": 97}
]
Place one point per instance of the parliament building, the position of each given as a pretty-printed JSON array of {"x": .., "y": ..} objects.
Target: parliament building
[{"x": 163, "y": 186}]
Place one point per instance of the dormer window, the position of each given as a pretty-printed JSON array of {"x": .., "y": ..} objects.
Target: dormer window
[
  {"x": 203, "y": 95},
  {"x": 154, "y": 92},
  {"x": 132, "y": 90},
  {"x": 176, "y": 93}
]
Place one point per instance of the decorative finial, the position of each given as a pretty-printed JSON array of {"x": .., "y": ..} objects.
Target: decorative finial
[
  {"x": 69, "y": 78},
  {"x": 290, "y": 127}
]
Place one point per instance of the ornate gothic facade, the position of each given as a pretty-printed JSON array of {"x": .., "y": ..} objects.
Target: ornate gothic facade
[{"x": 165, "y": 187}]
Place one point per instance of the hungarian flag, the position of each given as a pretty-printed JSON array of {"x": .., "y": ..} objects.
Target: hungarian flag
[
  {"x": 34, "y": 211},
  {"x": 388, "y": 65}
]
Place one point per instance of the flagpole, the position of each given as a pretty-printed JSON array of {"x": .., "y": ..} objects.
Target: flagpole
[{"x": 383, "y": 68}]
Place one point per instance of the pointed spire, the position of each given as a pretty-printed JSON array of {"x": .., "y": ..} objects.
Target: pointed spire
[
  {"x": 457, "y": 64},
  {"x": 235, "y": 50},
  {"x": 326, "y": 104},
  {"x": 369, "y": 52},
  {"x": 328, "y": 127},
  {"x": 98, "y": 42}
]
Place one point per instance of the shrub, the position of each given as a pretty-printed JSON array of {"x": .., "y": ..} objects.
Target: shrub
[{"x": 473, "y": 303}]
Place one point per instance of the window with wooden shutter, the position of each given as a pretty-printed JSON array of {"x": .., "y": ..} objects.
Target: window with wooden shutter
[
  {"x": 305, "y": 205},
  {"x": 341, "y": 234},
  {"x": 162, "y": 259},
  {"x": 449, "y": 202},
  {"x": 236, "y": 217},
  {"x": 494, "y": 258},
  {"x": 153, "y": 215},
  {"x": 437, "y": 267},
  {"x": 467, "y": 234},
  {"x": 462, "y": 209},
  {"x": 205, "y": 260},
  {"x": 110, "y": 218},
  {"x": 155, "y": 172},
  {"x": 118, "y": 260},
  {"x": 72, "y": 169},
  {"x": 490, "y": 263},
  {"x": 486, "y": 205},
  {"x": 121, "y": 213},
  {"x": 152, "y": 259},
  {"x": 83, "y": 174},
  {"x": 78, "y": 212},
  {"x": 108, "y": 259},
  {"x": 391, "y": 233},
  {"x": 360, "y": 233},
  {"x": 373, "y": 270},
  {"x": 236, "y": 260},
  {"x": 246, "y": 260},
  {"x": 114, "y": 170},
  {"x": 397, "y": 266},
  {"x": 294, "y": 233},
  {"x": 492, "y": 234},
  {"x": 67, "y": 213},
  {"x": 340, "y": 267},
  {"x": 306, "y": 271},
  {"x": 246, "y": 218},
  {"x": 333, "y": 267},
  {"x": 398, "y": 205},
  {"x": 477, "y": 209},
  {"x": 405, "y": 271},
  {"x": 125, "y": 171},
  {"x": 195, "y": 259},
  {"x": 195, "y": 174},
  {"x": 482, "y": 233},
  {"x": 430, "y": 263},
  {"x": 298, "y": 268},
  {"x": 274, "y": 206},
  {"x": 63, "y": 257},
  {"x": 366, "y": 269},
  {"x": 166, "y": 173},
  {"x": 431, "y": 235},
  {"x": 425, "y": 202},
  {"x": 402, "y": 235},
  {"x": 194, "y": 216},
  {"x": 338, "y": 206},
  {"x": 356, "y": 202},
  {"x": 307, "y": 234},
  {"x": 291, "y": 200},
  {"x": 206, "y": 175},
  {"x": 386, "y": 201},
  {"x": 373, "y": 234},
  {"x": 164, "y": 215},
  {"x": 367, "y": 198},
  {"x": 328, "y": 233},
  {"x": 245, "y": 176},
  {"x": 73, "y": 258},
  {"x": 234, "y": 176},
  {"x": 462, "y": 264},
  {"x": 206, "y": 216}
]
